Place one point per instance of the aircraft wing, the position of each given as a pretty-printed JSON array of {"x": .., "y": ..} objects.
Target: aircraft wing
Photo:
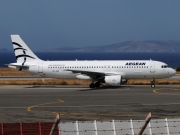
[
  {"x": 89, "y": 73},
  {"x": 94, "y": 73}
]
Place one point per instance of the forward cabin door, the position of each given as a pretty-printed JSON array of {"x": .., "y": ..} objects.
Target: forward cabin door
[
  {"x": 107, "y": 68},
  {"x": 152, "y": 67},
  {"x": 40, "y": 67}
]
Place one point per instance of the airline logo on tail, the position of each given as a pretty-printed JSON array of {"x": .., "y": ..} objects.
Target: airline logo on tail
[
  {"x": 22, "y": 52},
  {"x": 21, "y": 48}
]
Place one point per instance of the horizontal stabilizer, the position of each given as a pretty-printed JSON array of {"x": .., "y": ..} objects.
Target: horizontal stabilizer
[
  {"x": 15, "y": 65},
  {"x": 19, "y": 65}
]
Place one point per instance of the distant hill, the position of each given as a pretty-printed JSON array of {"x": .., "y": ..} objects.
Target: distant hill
[{"x": 130, "y": 46}]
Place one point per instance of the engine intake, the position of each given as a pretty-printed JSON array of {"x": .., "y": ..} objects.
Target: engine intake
[{"x": 114, "y": 80}]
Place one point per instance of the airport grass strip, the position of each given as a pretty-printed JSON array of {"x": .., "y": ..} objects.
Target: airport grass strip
[{"x": 12, "y": 72}]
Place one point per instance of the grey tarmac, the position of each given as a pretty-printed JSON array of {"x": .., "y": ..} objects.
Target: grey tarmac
[{"x": 27, "y": 103}]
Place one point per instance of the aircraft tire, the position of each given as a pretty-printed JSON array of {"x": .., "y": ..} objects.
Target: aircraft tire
[
  {"x": 97, "y": 84},
  {"x": 153, "y": 85},
  {"x": 92, "y": 85}
]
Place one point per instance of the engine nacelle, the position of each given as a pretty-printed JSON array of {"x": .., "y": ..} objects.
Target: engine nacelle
[{"x": 114, "y": 80}]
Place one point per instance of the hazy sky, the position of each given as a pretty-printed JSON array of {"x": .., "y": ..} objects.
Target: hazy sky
[{"x": 58, "y": 23}]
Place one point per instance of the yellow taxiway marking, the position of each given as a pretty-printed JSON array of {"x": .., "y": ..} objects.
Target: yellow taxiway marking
[
  {"x": 83, "y": 115},
  {"x": 29, "y": 109},
  {"x": 160, "y": 91}
]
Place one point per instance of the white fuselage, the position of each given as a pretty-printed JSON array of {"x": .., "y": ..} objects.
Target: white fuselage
[
  {"x": 109, "y": 72},
  {"x": 138, "y": 69}
]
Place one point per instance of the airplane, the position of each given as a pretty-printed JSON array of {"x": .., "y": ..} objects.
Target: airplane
[{"x": 110, "y": 72}]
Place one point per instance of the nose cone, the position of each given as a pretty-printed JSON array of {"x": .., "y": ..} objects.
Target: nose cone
[{"x": 172, "y": 72}]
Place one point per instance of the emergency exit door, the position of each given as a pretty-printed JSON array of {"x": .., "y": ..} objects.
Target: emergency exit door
[
  {"x": 152, "y": 67},
  {"x": 40, "y": 68}
]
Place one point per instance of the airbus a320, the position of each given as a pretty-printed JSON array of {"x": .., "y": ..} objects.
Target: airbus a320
[{"x": 110, "y": 72}]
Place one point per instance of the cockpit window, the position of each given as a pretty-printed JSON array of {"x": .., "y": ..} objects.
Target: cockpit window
[{"x": 164, "y": 66}]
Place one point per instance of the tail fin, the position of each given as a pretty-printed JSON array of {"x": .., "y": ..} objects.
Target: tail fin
[{"x": 22, "y": 52}]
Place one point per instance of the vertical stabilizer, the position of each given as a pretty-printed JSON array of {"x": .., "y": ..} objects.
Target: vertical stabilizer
[{"x": 22, "y": 52}]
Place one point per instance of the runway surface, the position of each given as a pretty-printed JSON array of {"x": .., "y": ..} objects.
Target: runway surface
[{"x": 41, "y": 103}]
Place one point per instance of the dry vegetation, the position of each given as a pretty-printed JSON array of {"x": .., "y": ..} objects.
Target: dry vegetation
[
  {"x": 147, "y": 82},
  {"x": 13, "y": 72},
  {"x": 78, "y": 82},
  {"x": 45, "y": 82}
]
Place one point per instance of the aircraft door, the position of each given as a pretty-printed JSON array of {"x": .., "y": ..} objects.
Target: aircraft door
[
  {"x": 107, "y": 67},
  {"x": 40, "y": 68},
  {"x": 152, "y": 67}
]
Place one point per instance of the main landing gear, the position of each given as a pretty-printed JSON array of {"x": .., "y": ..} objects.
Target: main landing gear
[
  {"x": 153, "y": 83},
  {"x": 95, "y": 85}
]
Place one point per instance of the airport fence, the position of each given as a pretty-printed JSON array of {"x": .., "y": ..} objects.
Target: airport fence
[
  {"x": 115, "y": 127},
  {"x": 38, "y": 128}
]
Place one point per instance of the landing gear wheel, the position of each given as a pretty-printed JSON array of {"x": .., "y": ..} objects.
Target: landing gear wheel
[
  {"x": 97, "y": 84},
  {"x": 92, "y": 85},
  {"x": 153, "y": 83}
]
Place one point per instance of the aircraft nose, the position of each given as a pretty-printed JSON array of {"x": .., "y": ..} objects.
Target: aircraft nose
[{"x": 172, "y": 72}]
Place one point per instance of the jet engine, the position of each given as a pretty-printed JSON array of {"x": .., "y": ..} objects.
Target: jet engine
[{"x": 114, "y": 80}]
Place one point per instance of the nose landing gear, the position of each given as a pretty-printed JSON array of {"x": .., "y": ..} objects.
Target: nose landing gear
[{"x": 153, "y": 83}]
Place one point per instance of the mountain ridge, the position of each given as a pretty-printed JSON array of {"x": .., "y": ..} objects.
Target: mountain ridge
[{"x": 128, "y": 46}]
